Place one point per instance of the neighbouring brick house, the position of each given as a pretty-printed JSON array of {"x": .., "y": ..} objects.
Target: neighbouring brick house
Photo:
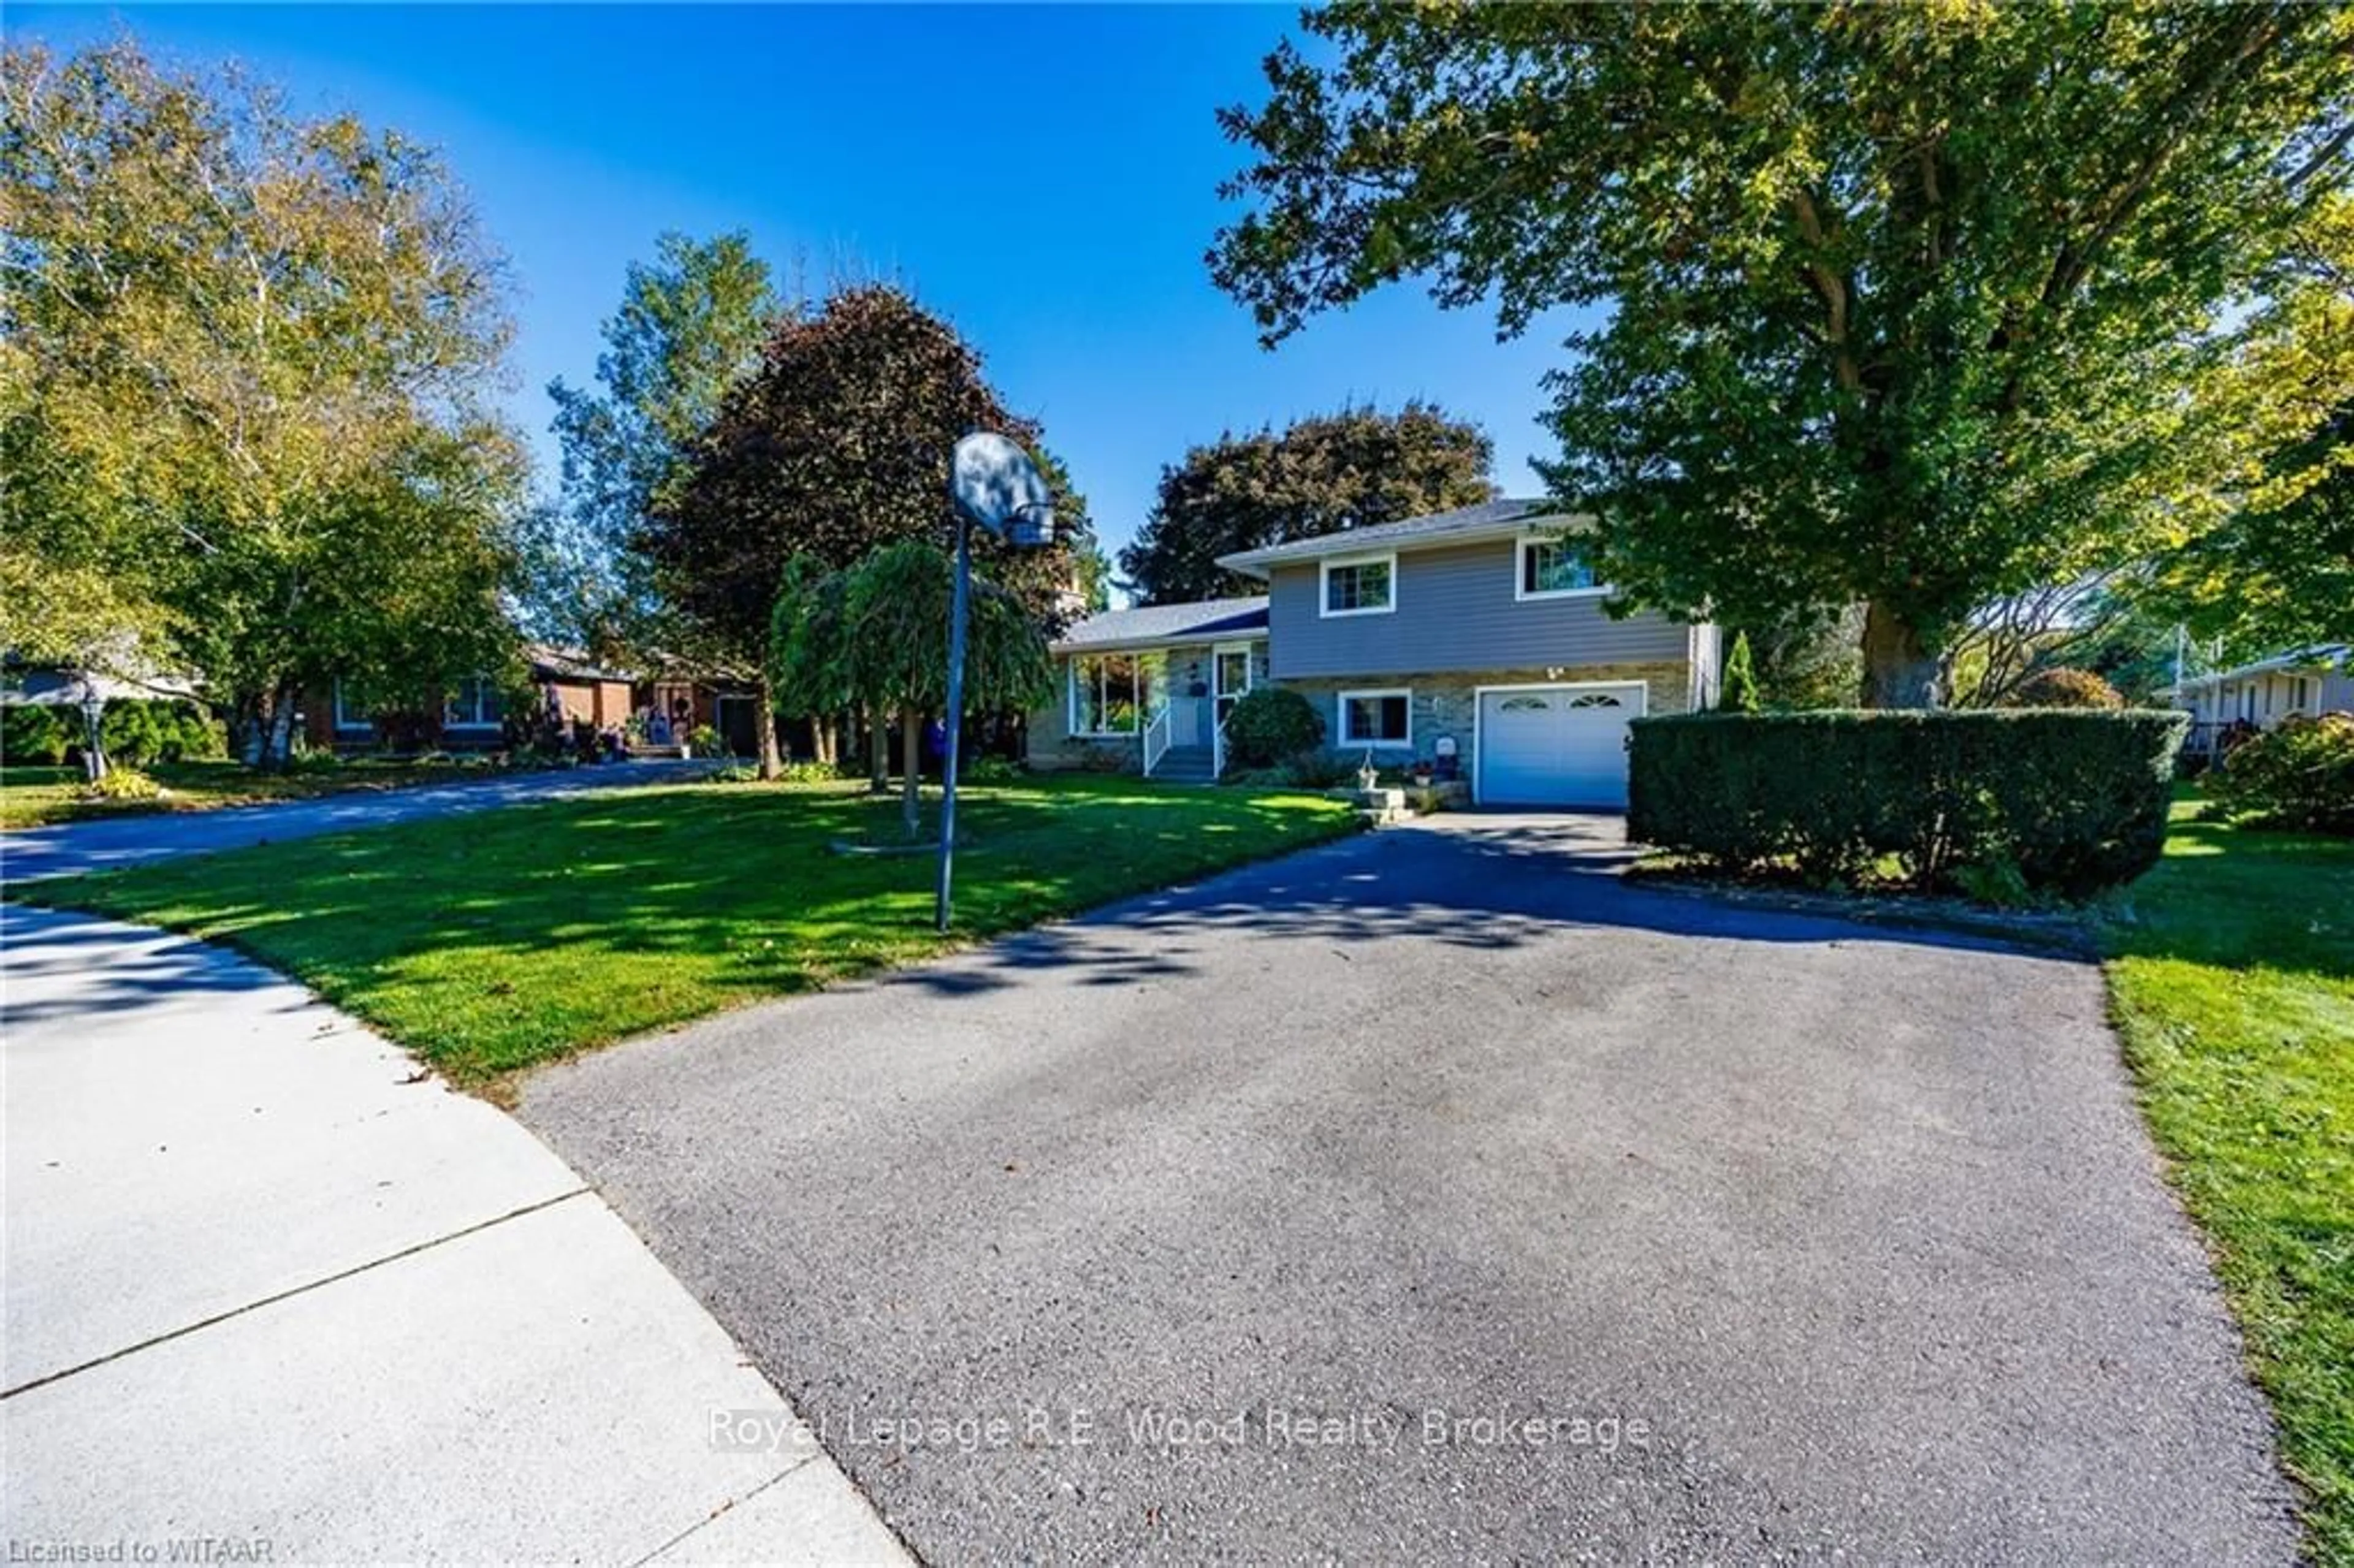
[
  {"x": 565, "y": 682},
  {"x": 1474, "y": 639}
]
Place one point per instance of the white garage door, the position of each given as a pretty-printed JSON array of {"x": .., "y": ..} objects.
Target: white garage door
[{"x": 1556, "y": 746}]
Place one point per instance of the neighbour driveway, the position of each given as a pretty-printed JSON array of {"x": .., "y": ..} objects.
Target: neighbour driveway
[
  {"x": 1436, "y": 1196},
  {"x": 270, "y": 1287},
  {"x": 110, "y": 841}
]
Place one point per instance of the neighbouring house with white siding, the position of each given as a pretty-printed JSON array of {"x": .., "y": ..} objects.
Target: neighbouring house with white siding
[
  {"x": 1477, "y": 639},
  {"x": 2307, "y": 680}
]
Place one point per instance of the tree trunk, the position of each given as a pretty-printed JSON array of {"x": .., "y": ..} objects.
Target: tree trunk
[
  {"x": 248, "y": 728},
  {"x": 764, "y": 724},
  {"x": 821, "y": 738},
  {"x": 911, "y": 769},
  {"x": 878, "y": 754},
  {"x": 277, "y": 728},
  {"x": 1899, "y": 670}
]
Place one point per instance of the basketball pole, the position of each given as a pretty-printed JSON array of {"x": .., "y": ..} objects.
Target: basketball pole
[{"x": 944, "y": 903}]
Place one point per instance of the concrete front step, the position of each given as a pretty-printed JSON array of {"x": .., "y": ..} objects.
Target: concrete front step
[{"x": 1186, "y": 765}]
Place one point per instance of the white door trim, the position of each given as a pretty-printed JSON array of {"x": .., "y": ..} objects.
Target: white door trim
[
  {"x": 1479, "y": 703},
  {"x": 1218, "y": 651}
]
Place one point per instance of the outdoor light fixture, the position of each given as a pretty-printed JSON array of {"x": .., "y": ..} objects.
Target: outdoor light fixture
[{"x": 993, "y": 482}]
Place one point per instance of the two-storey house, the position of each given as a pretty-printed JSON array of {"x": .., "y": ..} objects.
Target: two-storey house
[{"x": 1477, "y": 639}]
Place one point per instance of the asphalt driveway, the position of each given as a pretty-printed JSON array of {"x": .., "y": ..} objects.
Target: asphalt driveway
[{"x": 1436, "y": 1196}]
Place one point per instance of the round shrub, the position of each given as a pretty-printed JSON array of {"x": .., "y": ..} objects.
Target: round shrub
[
  {"x": 33, "y": 735},
  {"x": 2064, "y": 688},
  {"x": 201, "y": 740},
  {"x": 141, "y": 730},
  {"x": 2299, "y": 774},
  {"x": 130, "y": 731},
  {"x": 1269, "y": 727}
]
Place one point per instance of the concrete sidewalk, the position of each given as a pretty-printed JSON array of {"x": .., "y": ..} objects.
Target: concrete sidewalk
[
  {"x": 107, "y": 843},
  {"x": 269, "y": 1287}
]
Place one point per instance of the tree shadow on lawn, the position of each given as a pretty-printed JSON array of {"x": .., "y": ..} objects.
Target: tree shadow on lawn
[{"x": 491, "y": 941}]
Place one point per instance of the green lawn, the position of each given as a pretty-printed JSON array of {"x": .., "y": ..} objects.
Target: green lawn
[
  {"x": 42, "y": 797},
  {"x": 492, "y": 941},
  {"x": 2232, "y": 970}
]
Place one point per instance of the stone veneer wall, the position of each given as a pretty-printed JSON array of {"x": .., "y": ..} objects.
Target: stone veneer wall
[{"x": 1445, "y": 703}]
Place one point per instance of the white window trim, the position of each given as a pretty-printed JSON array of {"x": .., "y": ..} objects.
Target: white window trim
[
  {"x": 1248, "y": 652},
  {"x": 1520, "y": 589},
  {"x": 1341, "y": 700},
  {"x": 1331, "y": 564},
  {"x": 478, "y": 721},
  {"x": 1071, "y": 727},
  {"x": 340, "y": 715}
]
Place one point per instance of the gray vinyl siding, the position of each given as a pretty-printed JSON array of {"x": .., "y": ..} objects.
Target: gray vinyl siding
[{"x": 1456, "y": 610}]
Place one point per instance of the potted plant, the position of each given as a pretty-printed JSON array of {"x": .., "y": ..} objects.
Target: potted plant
[{"x": 1420, "y": 771}]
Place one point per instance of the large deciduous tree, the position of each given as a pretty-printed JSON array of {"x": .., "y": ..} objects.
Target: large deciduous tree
[
  {"x": 245, "y": 415},
  {"x": 690, "y": 326},
  {"x": 1321, "y": 475},
  {"x": 2277, "y": 570},
  {"x": 835, "y": 444},
  {"x": 1903, "y": 301}
]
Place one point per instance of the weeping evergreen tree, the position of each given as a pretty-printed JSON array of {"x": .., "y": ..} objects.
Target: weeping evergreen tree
[
  {"x": 879, "y": 634},
  {"x": 805, "y": 640}
]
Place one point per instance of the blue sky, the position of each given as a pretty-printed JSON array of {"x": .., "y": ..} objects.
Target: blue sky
[{"x": 855, "y": 138}]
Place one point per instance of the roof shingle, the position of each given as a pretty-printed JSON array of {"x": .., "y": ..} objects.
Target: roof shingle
[
  {"x": 1200, "y": 621},
  {"x": 1490, "y": 519}
]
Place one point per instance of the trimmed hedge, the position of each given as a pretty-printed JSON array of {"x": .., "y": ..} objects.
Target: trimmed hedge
[{"x": 2066, "y": 799}]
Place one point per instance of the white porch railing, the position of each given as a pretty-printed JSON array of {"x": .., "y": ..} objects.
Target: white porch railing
[
  {"x": 1156, "y": 739},
  {"x": 1219, "y": 748}
]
